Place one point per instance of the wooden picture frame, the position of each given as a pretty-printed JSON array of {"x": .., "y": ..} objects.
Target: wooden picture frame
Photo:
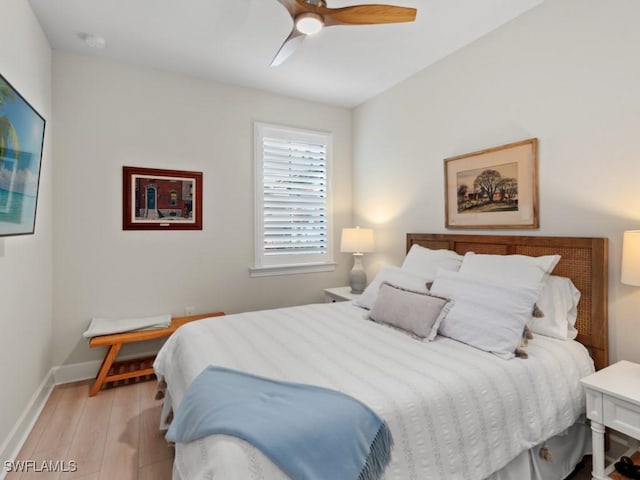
[
  {"x": 496, "y": 188},
  {"x": 156, "y": 199}
]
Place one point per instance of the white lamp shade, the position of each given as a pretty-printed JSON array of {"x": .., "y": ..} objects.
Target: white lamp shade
[
  {"x": 631, "y": 258},
  {"x": 357, "y": 240}
]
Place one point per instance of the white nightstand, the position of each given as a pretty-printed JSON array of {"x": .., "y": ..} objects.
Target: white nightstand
[
  {"x": 613, "y": 400},
  {"x": 339, "y": 294}
]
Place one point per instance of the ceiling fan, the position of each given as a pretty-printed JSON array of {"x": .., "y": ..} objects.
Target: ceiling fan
[{"x": 310, "y": 16}]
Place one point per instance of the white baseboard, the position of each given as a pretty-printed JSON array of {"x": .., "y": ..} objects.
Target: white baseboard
[
  {"x": 619, "y": 444},
  {"x": 76, "y": 372},
  {"x": 57, "y": 376},
  {"x": 620, "y": 439},
  {"x": 18, "y": 435}
]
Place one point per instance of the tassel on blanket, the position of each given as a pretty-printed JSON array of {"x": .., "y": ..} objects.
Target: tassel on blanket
[
  {"x": 169, "y": 418},
  {"x": 162, "y": 387},
  {"x": 379, "y": 454},
  {"x": 545, "y": 453}
]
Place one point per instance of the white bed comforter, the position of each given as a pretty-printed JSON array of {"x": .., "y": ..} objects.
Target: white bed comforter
[{"x": 455, "y": 412}]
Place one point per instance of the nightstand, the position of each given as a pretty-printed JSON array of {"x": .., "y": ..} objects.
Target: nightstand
[
  {"x": 613, "y": 400},
  {"x": 339, "y": 294}
]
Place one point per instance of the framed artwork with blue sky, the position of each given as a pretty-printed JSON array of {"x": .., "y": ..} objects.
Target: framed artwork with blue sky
[{"x": 21, "y": 140}]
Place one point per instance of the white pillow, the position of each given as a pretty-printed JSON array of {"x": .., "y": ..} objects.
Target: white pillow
[
  {"x": 487, "y": 315},
  {"x": 419, "y": 314},
  {"x": 394, "y": 276},
  {"x": 558, "y": 302},
  {"x": 425, "y": 261},
  {"x": 509, "y": 268}
]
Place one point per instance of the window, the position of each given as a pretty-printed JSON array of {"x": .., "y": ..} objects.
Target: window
[{"x": 293, "y": 208}]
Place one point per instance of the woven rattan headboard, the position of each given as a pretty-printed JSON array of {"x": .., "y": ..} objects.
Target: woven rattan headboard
[{"x": 583, "y": 260}]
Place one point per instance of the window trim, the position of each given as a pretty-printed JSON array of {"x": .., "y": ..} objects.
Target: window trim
[{"x": 288, "y": 265}]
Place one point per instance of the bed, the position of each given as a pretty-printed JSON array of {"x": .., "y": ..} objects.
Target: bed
[{"x": 455, "y": 412}]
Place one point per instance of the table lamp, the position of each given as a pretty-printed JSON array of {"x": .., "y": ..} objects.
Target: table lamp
[
  {"x": 357, "y": 241},
  {"x": 631, "y": 258}
]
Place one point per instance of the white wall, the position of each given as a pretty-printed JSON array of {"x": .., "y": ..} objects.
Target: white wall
[
  {"x": 566, "y": 72},
  {"x": 109, "y": 115},
  {"x": 25, "y": 261}
]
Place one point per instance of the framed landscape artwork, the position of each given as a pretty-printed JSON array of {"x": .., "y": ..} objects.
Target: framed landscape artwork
[
  {"x": 21, "y": 140},
  {"x": 155, "y": 199},
  {"x": 493, "y": 188}
]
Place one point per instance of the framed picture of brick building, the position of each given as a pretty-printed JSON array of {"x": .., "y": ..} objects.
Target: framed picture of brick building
[{"x": 155, "y": 199}]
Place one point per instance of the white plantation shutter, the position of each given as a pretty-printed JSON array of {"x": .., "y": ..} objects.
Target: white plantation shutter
[{"x": 292, "y": 197}]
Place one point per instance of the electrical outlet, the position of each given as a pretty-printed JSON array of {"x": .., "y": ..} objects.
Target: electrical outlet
[{"x": 189, "y": 310}]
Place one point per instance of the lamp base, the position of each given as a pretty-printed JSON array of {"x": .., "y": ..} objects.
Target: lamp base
[{"x": 357, "y": 276}]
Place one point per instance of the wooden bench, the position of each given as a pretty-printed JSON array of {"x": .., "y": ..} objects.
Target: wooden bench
[{"x": 138, "y": 367}]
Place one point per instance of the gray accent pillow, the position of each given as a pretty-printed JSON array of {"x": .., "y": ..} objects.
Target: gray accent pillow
[{"x": 417, "y": 313}]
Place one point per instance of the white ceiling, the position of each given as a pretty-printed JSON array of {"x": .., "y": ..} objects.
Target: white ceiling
[{"x": 234, "y": 41}]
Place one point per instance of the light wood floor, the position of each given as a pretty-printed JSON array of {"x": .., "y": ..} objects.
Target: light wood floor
[{"x": 113, "y": 435}]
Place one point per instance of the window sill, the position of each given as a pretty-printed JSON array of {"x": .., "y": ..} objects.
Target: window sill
[{"x": 291, "y": 269}]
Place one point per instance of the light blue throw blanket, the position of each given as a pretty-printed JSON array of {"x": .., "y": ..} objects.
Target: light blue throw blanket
[{"x": 311, "y": 433}]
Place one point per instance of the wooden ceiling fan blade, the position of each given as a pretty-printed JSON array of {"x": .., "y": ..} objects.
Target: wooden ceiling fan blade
[
  {"x": 367, "y": 15},
  {"x": 288, "y": 47}
]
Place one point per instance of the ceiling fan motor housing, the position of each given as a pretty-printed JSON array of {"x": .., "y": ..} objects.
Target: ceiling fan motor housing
[{"x": 309, "y": 23}]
